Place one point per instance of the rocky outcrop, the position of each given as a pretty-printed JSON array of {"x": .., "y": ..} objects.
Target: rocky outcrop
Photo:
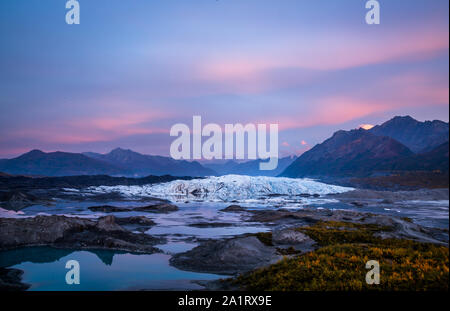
[
  {"x": 358, "y": 204},
  {"x": 154, "y": 208},
  {"x": 230, "y": 256},
  {"x": 283, "y": 217},
  {"x": 16, "y": 200},
  {"x": 290, "y": 240},
  {"x": 136, "y": 223},
  {"x": 108, "y": 223},
  {"x": 72, "y": 232},
  {"x": 289, "y": 237},
  {"x": 157, "y": 208},
  {"x": 11, "y": 280},
  {"x": 108, "y": 209},
  {"x": 233, "y": 209},
  {"x": 135, "y": 220},
  {"x": 398, "y": 227},
  {"x": 211, "y": 224}
]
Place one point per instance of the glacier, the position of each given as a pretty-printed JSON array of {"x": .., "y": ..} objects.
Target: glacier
[{"x": 228, "y": 188}]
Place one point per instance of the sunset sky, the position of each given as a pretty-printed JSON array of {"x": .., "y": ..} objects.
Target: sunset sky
[{"x": 134, "y": 68}]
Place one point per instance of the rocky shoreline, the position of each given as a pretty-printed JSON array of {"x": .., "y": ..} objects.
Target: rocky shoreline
[
  {"x": 160, "y": 208},
  {"x": 11, "y": 280},
  {"x": 74, "y": 233}
]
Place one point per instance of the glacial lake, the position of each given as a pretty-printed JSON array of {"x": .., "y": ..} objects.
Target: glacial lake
[{"x": 100, "y": 270}]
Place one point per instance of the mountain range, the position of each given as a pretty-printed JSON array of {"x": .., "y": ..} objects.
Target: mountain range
[
  {"x": 136, "y": 164},
  {"x": 418, "y": 136},
  {"x": 400, "y": 144},
  {"x": 118, "y": 162},
  {"x": 37, "y": 162},
  {"x": 125, "y": 162}
]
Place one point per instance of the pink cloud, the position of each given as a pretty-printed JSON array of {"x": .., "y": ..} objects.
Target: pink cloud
[
  {"x": 388, "y": 94},
  {"x": 124, "y": 124},
  {"x": 94, "y": 129},
  {"x": 415, "y": 89},
  {"x": 247, "y": 71},
  {"x": 329, "y": 111},
  {"x": 340, "y": 109},
  {"x": 343, "y": 52}
]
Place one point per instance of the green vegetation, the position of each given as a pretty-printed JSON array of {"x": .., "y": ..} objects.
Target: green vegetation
[
  {"x": 340, "y": 263},
  {"x": 334, "y": 232}
]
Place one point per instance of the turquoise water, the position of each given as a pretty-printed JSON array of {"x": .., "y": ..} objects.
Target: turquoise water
[
  {"x": 44, "y": 267},
  {"x": 100, "y": 270}
]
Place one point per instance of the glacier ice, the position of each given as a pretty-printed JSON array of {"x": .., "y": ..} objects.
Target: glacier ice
[{"x": 227, "y": 188}]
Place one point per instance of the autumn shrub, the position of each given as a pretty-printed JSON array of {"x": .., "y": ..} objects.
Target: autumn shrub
[{"x": 339, "y": 263}]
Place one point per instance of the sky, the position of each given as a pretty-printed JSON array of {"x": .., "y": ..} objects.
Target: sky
[{"x": 132, "y": 69}]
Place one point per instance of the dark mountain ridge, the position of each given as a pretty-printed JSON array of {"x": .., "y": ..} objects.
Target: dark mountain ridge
[
  {"x": 418, "y": 136},
  {"x": 352, "y": 152},
  {"x": 57, "y": 163},
  {"x": 143, "y": 165},
  {"x": 368, "y": 152},
  {"x": 434, "y": 160},
  {"x": 118, "y": 162}
]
